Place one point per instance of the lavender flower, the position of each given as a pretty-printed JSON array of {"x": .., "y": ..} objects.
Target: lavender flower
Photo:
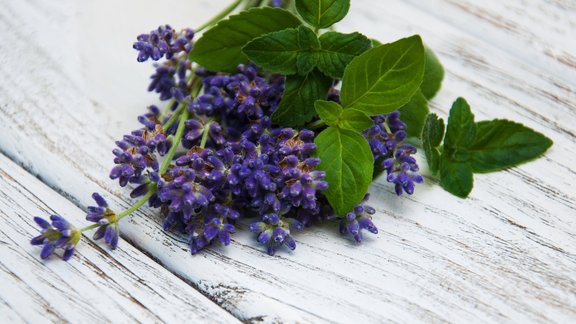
[
  {"x": 245, "y": 93},
  {"x": 359, "y": 219},
  {"x": 108, "y": 220},
  {"x": 185, "y": 192},
  {"x": 59, "y": 234},
  {"x": 386, "y": 138},
  {"x": 163, "y": 79},
  {"x": 217, "y": 224},
  {"x": 164, "y": 41},
  {"x": 402, "y": 169},
  {"x": 302, "y": 182},
  {"x": 136, "y": 153},
  {"x": 274, "y": 231}
]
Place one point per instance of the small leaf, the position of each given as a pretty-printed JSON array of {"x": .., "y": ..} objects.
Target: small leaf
[
  {"x": 220, "y": 48},
  {"x": 322, "y": 13},
  {"x": 288, "y": 51},
  {"x": 456, "y": 177},
  {"x": 433, "y": 75},
  {"x": 355, "y": 120},
  {"x": 332, "y": 114},
  {"x": 384, "y": 78},
  {"x": 297, "y": 105},
  {"x": 502, "y": 144},
  {"x": 432, "y": 136},
  {"x": 414, "y": 114},
  {"x": 338, "y": 50},
  {"x": 348, "y": 162},
  {"x": 461, "y": 129},
  {"x": 329, "y": 112}
]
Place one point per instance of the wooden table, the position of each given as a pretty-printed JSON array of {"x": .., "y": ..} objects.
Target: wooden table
[{"x": 70, "y": 85}]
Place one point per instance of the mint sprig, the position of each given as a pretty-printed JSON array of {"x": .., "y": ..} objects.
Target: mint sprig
[
  {"x": 471, "y": 147},
  {"x": 220, "y": 48}
]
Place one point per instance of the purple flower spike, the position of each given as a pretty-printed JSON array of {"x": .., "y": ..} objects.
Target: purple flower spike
[
  {"x": 386, "y": 139},
  {"x": 359, "y": 219},
  {"x": 164, "y": 41}
]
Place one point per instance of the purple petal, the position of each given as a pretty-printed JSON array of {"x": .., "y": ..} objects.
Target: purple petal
[
  {"x": 47, "y": 250},
  {"x": 44, "y": 224},
  {"x": 99, "y": 200}
]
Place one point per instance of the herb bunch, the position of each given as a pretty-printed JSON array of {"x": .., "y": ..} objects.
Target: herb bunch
[{"x": 271, "y": 118}]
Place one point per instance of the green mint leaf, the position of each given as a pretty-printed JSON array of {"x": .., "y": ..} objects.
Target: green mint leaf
[
  {"x": 414, "y": 114},
  {"x": 220, "y": 48},
  {"x": 348, "y": 162},
  {"x": 355, "y": 120},
  {"x": 432, "y": 136},
  {"x": 333, "y": 115},
  {"x": 329, "y": 111},
  {"x": 322, "y": 13},
  {"x": 309, "y": 46},
  {"x": 288, "y": 51},
  {"x": 461, "y": 130},
  {"x": 456, "y": 177},
  {"x": 297, "y": 105},
  {"x": 433, "y": 75},
  {"x": 502, "y": 144},
  {"x": 384, "y": 78},
  {"x": 338, "y": 50},
  {"x": 375, "y": 42}
]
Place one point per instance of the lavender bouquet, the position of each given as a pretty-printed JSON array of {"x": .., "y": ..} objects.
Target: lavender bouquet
[{"x": 270, "y": 117}]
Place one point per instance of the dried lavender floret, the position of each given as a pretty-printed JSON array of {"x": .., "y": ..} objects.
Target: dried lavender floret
[
  {"x": 106, "y": 218},
  {"x": 59, "y": 234}
]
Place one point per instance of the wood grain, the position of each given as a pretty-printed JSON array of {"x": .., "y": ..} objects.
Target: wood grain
[
  {"x": 506, "y": 254},
  {"x": 97, "y": 285}
]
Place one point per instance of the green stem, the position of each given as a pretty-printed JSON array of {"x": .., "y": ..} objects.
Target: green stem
[
  {"x": 205, "y": 133},
  {"x": 317, "y": 124},
  {"x": 220, "y": 16},
  {"x": 167, "y": 108},
  {"x": 87, "y": 228},
  {"x": 174, "y": 117},
  {"x": 175, "y": 142},
  {"x": 139, "y": 204}
]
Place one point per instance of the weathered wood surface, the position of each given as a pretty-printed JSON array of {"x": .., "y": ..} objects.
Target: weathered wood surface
[
  {"x": 97, "y": 285},
  {"x": 506, "y": 254}
]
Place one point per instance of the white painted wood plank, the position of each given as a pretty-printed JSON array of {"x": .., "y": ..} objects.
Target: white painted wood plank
[
  {"x": 505, "y": 254},
  {"x": 95, "y": 286},
  {"x": 546, "y": 27}
]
